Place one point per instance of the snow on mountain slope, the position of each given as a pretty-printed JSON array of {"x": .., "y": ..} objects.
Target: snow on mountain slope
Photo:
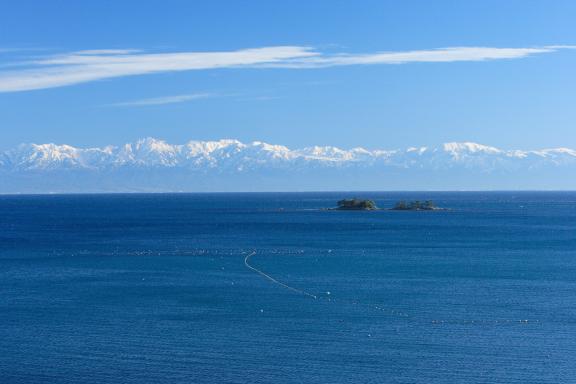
[
  {"x": 52, "y": 156},
  {"x": 235, "y": 156},
  {"x": 150, "y": 152},
  {"x": 152, "y": 165}
]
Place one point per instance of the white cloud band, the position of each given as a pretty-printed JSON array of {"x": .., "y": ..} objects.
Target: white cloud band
[
  {"x": 92, "y": 65},
  {"x": 163, "y": 100},
  {"x": 82, "y": 67}
]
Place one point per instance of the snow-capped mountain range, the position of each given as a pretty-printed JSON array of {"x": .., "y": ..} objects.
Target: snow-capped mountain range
[
  {"x": 235, "y": 155},
  {"x": 154, "y": 165}
]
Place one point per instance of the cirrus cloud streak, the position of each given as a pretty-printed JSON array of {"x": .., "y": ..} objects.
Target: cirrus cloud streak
[
  {"x": 163, "y": 100},
  {"x": 93, "y": 65}
]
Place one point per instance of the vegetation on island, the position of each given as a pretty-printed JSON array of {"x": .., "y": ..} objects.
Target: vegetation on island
[
  {"x": 417, "y": 205},
  {"x": 402, "y": 205},
  {"x": 357, "y": 205}
]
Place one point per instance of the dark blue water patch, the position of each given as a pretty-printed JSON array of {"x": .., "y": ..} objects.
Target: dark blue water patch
[{"x": 153, "y": 288}]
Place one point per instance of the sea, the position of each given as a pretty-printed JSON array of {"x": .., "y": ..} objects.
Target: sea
[{"x": 275, "y": 288}]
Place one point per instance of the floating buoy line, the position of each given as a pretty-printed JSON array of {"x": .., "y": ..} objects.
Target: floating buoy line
[
  {"x": 267, "y": 276},
  {"x": 380, "y": 308},
  {"x": 327, "y": 297},
  {"x": 314, "y": 296}
]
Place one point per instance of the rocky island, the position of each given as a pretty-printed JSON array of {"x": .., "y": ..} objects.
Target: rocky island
[
  {"x": 417, "y": 205},
  {"x": 356, "y": 205},
  {"x": 369, "y": 205}
]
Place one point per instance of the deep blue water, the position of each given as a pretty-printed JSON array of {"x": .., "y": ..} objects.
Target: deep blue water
[{"x": 154, "y": 289}]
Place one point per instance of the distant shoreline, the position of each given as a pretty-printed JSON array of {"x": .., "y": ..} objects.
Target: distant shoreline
[{"x": 392, "y": 192}]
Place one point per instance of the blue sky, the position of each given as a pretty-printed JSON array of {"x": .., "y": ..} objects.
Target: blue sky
[{"x": 378, "y": 74}]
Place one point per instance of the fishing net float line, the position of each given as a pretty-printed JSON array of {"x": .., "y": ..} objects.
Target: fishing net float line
[
  {"x": 309, "y": 294},
  {"x": 373, "y": 306},
  {"x": 265, "y": 275}
]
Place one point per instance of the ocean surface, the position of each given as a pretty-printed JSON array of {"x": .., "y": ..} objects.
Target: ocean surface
[{"x": 270, "y": 288}]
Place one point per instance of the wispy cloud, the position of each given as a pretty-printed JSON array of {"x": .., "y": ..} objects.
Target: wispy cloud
[
  {"x": 163, "y": 100},
  {"x": 442, "y": 55},
  {"x": 107, "y": 51},
  {"x": 92, "y": 65},
  {"x": 79, "y": 67}
]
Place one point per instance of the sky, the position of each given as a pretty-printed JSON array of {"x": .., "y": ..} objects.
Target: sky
[{"x": 377, "y": 74}]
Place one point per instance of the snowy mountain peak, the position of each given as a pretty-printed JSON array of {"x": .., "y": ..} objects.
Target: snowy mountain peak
[
  {"x": 154, "y": 145},
  {"x": 468, "y": 148},
  {"x": 229, "y": 159}
]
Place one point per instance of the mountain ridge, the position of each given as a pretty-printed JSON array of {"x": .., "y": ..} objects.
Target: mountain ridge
[
  {"x": 154, "y": 152},
  {"x": 151, "y": 164}
]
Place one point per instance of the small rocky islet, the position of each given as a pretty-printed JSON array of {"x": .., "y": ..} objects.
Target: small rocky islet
[{"x": 370, "y": 205}]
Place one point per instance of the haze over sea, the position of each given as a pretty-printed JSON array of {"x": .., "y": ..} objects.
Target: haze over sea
[{"x": 154, "y": 289}]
